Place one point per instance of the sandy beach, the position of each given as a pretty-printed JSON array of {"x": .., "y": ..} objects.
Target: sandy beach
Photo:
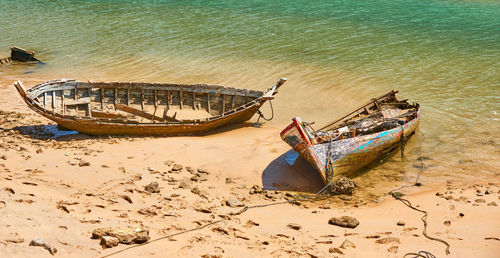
[{"x": 62, "y": 189}]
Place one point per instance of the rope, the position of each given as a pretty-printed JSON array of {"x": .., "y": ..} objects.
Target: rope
[
  {"x": 262, "y": 115},
  {"x": 397, "y": 196},
  {"x": 423, "y": 254},
  {"x": 220, "y": 220}
]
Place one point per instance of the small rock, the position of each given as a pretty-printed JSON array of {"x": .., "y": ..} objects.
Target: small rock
[
  {"x": 38, "y": 151},
  {"x": 335, "y": 250},
  {"x": 190, "y": 170},
  {"x": 452, "y": 207},
  {"x": 125, "y": 235},
  {"x": 480, "y": 201},
  {"x": 185, "y": 184},
  {"x": 256, "y": 189},
  {"x": 150, "y": 169},
  {"x": 83, "y": 163},
  {"x": 344, "y": 221},
  {"x": 387, "y": 240},
  {"x": 40, "y": 242},
  {"x": 294, "y": 226},
  {"x": 492, "y": 204},
  {"x": 152, "y": 187},
  {"x": 393, "y": 249},
  {"x": 177, "y": 167},
  {"x": 343, "y": 185},
  {"x": 251, "y": 223},
  {"x": 479, "y": 194},
  {"x": 461, "y": 214},
  {"x": 234, "y": 203},
  {"x": 347, "y": 244},
  {"x": 203, "y": 171},
  {"x": 401, "y": 223},
  {"x": 15, "y": 240},
  {"x": 447, "y": 223},
  {"x": 109, "y": 241},
  {"x": 229, "y": 180},
  {"x": 487, "y": 191},
  {"x": 169, "y": 162}
]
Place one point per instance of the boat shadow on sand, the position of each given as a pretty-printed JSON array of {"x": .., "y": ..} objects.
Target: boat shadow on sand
[
  {"x": 55, "y": 132},
  {"x": 289, "y": 172}
]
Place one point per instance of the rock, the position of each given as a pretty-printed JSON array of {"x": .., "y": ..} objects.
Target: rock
[
  {"x": 344, "y": 221},
  {"x": 185, "y": 184},
  {"x": 480, "y": 201},
  {"x": 335, "y": 250},
  {"x": 294, "y": 226},
  {"x": 127, "y": 198},
  {"x": 83, "y": 163},
  {"x": 203, "y": 171},
  {"x": 347, "y": 244},
  {"x": 256, "y": 189},
  {"x": 234, "y": 203},
  {"x": 387, "y": 240},
  {"x": 40, "y": 242},
  {"x": 15, "y": 240},
  {"x": 109, "y": 241},
  {"x": 169, "y": 162},
  {"x": 393, "y": 249},
  {"x": 461, "y": 214},
  {"x": 492, "y": 204},
  {"x": 447, "y": 223},
  {"x": 177, "y": 167},
  {"x": 152, "y": 187},
  {"x": 190, "y": 170},
  {"x": 229, "y": 180},
  {"x": 342, "y": 185},
  {"x": 250, "y": 223},
  {"x": 125, "y": 235},
  {"x": 147, "y": 212},
  {"x": 8, "y": 189},
  {"x": 401, "y": 223}
]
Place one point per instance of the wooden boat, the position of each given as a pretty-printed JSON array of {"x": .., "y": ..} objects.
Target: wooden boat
[
  {"x": 348, "y": 144},
  {"x": 130, "y": 108},
  {"x": 20, "y": 55}
]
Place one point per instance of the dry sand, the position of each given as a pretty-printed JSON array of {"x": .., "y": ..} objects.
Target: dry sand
[{"x": 62, "y": 189}]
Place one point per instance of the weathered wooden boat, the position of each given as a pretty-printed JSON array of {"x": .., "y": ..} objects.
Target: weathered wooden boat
[
  {"x": 20, "y": 55},
  {"x": 130, "y": 108},
  {"x": 363, "y": 136}
]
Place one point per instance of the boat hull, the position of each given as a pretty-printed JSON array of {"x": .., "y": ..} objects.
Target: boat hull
[{"x": 347, "y": 156}]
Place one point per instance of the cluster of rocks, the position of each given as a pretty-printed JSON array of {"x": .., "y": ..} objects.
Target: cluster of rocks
[{"x": 112, "y": 236}]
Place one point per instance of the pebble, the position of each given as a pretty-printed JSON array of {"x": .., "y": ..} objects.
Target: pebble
[
  {"x": 492, "y": 204},
  {"x": 203, "y": 171},
  {"x": 152, "y": 187},
  {"x": 393, "y": 249},
  {"x": 344, "y": 221},
  {"x": 347, "y": 244},
  {"x": 177, "y": 167},
  {"x": 83, "y": 163},
  {"x": 40, "y": 242},
  {"x": 109, "y": 241},
  {"x": 480, "y": 200},
  {"x": 233, "y": 203},
  {"x": 401, "y": 223},
  {"x": 335, "y": 250},
  {"x": 294, "y": 226},
  {"x": 387, "y": 240},
  {"x": 447, "y": 223},
  {"x": 125, "y": 235}
]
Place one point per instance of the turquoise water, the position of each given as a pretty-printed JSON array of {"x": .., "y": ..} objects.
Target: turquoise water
[{"x": 445, "y": 54}]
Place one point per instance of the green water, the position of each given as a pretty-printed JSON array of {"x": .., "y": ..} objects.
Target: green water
[{"x": 445, "y": 54}]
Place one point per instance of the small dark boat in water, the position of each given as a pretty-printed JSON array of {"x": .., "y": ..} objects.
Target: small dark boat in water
[
  {"x": 19, "y": 55},
  {"x": 349, "y": 143},
  {"x": 130, "y": 108}
]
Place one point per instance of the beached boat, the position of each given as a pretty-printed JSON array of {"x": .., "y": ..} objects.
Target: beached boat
[
  {"x": 363, "y": 136},
  {"x": 19, "y": 55},
  {"x": 130, "y": 108}
]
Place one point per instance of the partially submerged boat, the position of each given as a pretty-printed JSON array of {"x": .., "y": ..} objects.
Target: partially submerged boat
[
  {"x": 134, "y": 108},
  {"x": 19, "y": 55},
  {"x": 351, "y": 142}
]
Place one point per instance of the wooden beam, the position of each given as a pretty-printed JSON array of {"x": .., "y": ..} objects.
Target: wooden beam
[
  {"x": 232, "y": 101},
  {"x": 62, "y": 102},
  {"x": 45, "y": 100},
  {"x": 223, "y": 103},
  {"x": 208, "y": 102},
  {"x": 73, "y": 102},
  {"x": 180, "y": 96},
  {"x": 100, "y": 114},
  {"x": 116, "y": 96},
  {"x": 102, "y": 99},
  {"x": 53, "y": 99},
  {"x": 142, "y": 99},
  {"x": 194, "y": 97},
  {"x": 140, "y": 113},
  {"x": 128, "y": 97}
]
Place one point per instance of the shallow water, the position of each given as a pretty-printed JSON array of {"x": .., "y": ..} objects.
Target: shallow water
[{"x": 443, "y": 54}]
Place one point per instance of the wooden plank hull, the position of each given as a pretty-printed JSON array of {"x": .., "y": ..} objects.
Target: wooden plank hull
[
  {"x": 343, "y": 157},
  {"x": 122, "y": 108}
]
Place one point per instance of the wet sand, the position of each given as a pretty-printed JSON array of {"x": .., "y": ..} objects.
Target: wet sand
[{"x": 62, "y": 189}]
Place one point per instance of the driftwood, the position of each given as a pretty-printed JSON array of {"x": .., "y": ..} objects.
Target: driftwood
[{"x": 143, "y": 108}]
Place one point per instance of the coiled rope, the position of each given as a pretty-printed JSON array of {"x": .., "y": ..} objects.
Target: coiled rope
[{"x": 262, "y": 115}]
